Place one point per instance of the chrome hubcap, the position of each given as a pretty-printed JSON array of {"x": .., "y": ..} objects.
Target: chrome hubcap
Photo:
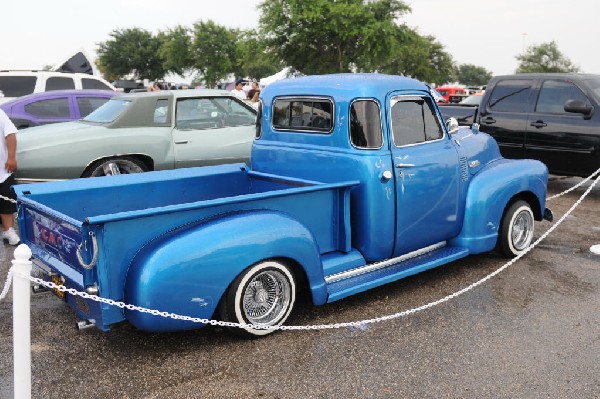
[
  {"x": 522, "y": 230},
  {"x": 266, "y": 298}
]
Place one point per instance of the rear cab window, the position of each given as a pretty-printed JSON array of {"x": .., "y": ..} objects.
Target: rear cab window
[{"x": 307, "y": 115}]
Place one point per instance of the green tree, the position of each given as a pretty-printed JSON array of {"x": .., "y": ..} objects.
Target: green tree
[
  {"x": 176, "y": 50},
  {"x": 545, "y": 57},
  {"x": 473, "y": 75},
  {"x": 214, "y": 51},
  {"x": 132, "y": 51},
  {"x": 419, "y": 57},
  {"x": 254, "y": 60},
  {"x": 324, "y": 36}
]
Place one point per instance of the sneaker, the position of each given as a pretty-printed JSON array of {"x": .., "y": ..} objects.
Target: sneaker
[{"x": 11, "y": 237}]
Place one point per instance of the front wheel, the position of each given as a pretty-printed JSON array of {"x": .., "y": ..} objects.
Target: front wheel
[
  {"x": 115, "y": 166},
  {"x": 263, "y": 295},
  {"x": 516, "y": 229}
]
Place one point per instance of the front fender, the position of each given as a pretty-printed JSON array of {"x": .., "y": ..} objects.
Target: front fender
[
  {"x": 187, "y": 270},
  {"x": 489, "y": 193}
]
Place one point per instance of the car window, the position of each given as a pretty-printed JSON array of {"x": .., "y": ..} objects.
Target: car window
[
  {"x": 555, "y": 93},
  {"x": 87, "y": 83},
  {"x": 17, "y": 86},
  {"x": 211, "y": 112},
  {"x": 59, "y": 83},
  {"x": 53, "y": 108},
  {"x": 303, "y": 114},
  {"x": 108, "y": 112},
  {"x": 414, "y": 121},
  {"x": 365, "y": 124},
  {"x": 161, "y": 111},
  {"x": 88, "y": 104},
  {"x": 511, "y": 95}
]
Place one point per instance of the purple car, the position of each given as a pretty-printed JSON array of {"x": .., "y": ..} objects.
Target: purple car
[{"x": 54, "y": 106}]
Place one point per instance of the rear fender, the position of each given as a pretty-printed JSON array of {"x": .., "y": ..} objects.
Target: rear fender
[
  {"x": 491, "y": 191},
  {"x": 187, "y": 270}
]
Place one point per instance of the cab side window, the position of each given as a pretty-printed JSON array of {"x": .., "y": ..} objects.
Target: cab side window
[
  {"x": 511, "y": 95},
  {"x": 414, "y": 121},
  {"x": 554, "y": 94},
  {"x": 365, "y": 124}
]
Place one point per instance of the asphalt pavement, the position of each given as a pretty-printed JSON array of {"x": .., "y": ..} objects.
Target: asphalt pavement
[{"x": 533, "y": 331}]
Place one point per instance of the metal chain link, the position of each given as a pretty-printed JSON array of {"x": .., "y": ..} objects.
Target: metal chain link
[
  {"x": 581, "y": 183},
  {"x": 429, "y": 305}
]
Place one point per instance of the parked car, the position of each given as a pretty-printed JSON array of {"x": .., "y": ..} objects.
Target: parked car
[
  {"x": 452, "y": 94},
  {"x": 551, "y": 117},
  {"x": 21, "y": 83},
  {"x": 54, "y": 106},
  {"x": 139, "y": 132}
]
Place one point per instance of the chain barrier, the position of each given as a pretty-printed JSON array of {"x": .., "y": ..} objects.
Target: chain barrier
[{"x": 122, "y": 305}]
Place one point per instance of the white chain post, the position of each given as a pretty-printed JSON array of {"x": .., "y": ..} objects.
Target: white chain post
[{"x": 21, "y": 322}]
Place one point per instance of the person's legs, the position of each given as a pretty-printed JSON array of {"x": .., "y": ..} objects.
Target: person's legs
[{"x": 7, "y": 210}]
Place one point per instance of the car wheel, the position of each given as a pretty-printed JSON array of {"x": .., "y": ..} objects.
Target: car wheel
[
  {"x": 263, "y": 295},
  {"x": 115, "y": 166},
  {"x": 516, "y": 229}
]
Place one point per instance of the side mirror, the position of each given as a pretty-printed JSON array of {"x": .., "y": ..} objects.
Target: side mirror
[
  {"x": 452, "y": 125},
  {"x": 579, "y": 107}
]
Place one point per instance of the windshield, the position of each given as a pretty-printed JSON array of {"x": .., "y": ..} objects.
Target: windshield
[
  {"x": 108, "y": 112},
  {"x": 594, "y": 85}
]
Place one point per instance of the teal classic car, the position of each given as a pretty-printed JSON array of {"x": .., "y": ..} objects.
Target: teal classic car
[{"x": 140, "y": 132}]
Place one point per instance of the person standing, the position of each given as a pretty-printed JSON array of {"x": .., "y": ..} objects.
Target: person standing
[
  {"x": 238, "y": 91},
  {"x": 8, "y": 164}
]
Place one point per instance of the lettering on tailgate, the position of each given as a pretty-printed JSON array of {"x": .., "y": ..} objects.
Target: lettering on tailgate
[{"x": 56, "y": 238}]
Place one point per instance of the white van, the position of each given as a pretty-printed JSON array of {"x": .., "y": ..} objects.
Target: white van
[{"x": 19, "y": 83}]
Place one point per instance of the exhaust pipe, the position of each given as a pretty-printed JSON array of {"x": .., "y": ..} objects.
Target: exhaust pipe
[
  {"x": 38, "y": 289},
  {"x": 85, "y": 324}
]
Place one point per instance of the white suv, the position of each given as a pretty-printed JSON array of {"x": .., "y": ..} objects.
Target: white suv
[{"x": 19, "y": 83}]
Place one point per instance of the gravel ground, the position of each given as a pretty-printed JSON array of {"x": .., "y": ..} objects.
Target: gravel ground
[{"x": 530, "y": 332}]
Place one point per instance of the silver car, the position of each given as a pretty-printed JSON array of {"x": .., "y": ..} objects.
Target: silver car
[{"x": 140, "y": 132}]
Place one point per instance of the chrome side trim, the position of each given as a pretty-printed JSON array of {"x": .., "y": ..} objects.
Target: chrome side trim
[{"x": 381, "y": 265}]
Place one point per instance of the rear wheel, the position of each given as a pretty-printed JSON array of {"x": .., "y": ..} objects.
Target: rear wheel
[
  {"x": 263, "y": 295},
  {"x": 115, "y": 166},
  {"x": 516, "y": 229}
]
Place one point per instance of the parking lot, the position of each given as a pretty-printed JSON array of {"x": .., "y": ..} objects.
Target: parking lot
[{"x": 530, "y": 332}]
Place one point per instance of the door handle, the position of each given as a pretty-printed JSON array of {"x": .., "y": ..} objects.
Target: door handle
[
  {"x": 538, "y": 124},
  {"x": 182, "y": 142},
  {"x": 405, "y": 165},
  {"x": 488, "y": 121}
]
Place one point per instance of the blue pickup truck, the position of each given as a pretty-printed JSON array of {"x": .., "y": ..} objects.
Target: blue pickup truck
[{"x": 354, "y": 182}]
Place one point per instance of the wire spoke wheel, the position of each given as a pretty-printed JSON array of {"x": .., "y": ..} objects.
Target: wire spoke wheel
[
  {"x": 266, "y": 297},
  {"x": 263, "y": 295},
  {"x": 115, "y": 166}
]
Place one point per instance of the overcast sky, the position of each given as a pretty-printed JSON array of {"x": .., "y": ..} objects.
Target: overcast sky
[{"x": 488, "y": 33}]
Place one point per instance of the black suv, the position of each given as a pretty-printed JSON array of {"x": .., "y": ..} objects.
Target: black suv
[{"x": 554, "y": 118}]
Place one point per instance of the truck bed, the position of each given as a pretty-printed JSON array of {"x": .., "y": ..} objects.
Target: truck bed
[{"x": 125, "y": 213}]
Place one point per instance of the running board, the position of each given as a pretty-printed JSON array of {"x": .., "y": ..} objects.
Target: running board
[{"x": 364, "y": 278}]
